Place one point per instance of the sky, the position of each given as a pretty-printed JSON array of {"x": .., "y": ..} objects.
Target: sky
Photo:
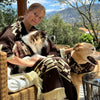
[
  {"x": 54, "y": 5},
  {"x": 50, "y": 5}
]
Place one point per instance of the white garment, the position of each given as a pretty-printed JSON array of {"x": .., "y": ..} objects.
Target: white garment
[{"x": 18, "y": 82}]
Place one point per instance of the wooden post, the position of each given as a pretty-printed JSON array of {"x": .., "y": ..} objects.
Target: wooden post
[{"x": 21, "y": 7}]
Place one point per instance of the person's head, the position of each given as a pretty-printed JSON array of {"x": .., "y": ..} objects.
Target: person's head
[{"x": 34, "y": 14}]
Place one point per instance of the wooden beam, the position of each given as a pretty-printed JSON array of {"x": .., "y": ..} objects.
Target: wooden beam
[{"x": 21, "y": 7}]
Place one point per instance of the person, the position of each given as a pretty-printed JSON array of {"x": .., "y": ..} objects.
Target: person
[{"x": 54, "y": 70}]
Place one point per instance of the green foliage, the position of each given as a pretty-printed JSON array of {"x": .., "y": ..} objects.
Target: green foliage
[
  {"x": 7, "y": 2},
  {"x": 7, "y": 14},
  {"x": 87, "y": 38},
  {"x": 65, "y": 33}
]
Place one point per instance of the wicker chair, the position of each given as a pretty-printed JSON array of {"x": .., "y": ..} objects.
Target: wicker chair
[{"x": 25, "y": 94}]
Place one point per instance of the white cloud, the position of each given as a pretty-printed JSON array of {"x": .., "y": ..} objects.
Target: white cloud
[
  {"x": 36, "y": 1},
  {"x": 79, "y": 1},
  {"x": 59, "y": 5},
  {"x": 50, "y": 10},
  {"x": 55, "y": 4},
  {"x": 63, "y": 6}
]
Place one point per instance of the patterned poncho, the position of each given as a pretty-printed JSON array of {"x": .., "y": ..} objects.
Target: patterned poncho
[{"x": 54, "y": 70}]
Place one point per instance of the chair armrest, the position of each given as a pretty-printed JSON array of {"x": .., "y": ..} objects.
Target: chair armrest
[{"x": 3, "y": 76}]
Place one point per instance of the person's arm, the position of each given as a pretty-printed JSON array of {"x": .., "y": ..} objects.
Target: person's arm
[
  {"x": 68, "y": 50},
  {"x": 21, "y": 62}
]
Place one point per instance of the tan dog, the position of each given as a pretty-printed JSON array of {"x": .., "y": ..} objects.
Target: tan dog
[{"x": 81, "y": 58}]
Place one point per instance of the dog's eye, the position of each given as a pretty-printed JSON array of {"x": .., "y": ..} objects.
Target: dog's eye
[
  {"x": 42, "y": 37},
  {"x": 36, "y": 39},
  {"x": 93, "y": 49}
]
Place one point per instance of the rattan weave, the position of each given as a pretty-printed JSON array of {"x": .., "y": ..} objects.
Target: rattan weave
[
  {"x": 3, "y": 76},
  {"x": 25, "y": 94}
]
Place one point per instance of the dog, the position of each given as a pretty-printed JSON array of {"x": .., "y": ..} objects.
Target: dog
[
  {"x": 82, "y": 62},
  {"x": 35, "y": 40}
]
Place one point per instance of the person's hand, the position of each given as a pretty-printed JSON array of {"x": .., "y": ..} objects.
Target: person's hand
[
  {"x": 18, "y": 50},
  {"x": 68, "y": 50}
]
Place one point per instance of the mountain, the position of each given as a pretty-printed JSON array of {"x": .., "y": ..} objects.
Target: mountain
[
  {"x": 71, "y": 15},
  {"x": 51, "y": 13}
]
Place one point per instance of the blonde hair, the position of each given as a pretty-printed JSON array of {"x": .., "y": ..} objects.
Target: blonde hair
[
  {"x": 36, "y": 5},
  {"x": 32, "y": 6}
]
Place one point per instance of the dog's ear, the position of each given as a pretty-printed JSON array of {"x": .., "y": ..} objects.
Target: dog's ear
[
  {"x": 43, "y": 32},
  {"x": 77, "y": 46}
]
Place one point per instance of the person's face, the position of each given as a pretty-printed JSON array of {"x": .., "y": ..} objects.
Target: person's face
[{"x": 35, "y": 16}]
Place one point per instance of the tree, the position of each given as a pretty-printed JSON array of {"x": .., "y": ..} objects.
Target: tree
[
  {"x": 64, "y": 33},
  {"x": 7, "y": 14},
  {"x": 91, "y": 19},
  {"x": 7, "y": 1}
]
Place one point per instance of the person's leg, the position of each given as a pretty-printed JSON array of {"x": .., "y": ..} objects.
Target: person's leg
[
  {"x": 70, "y": 90},
  {"x": 52, "y": 86}
]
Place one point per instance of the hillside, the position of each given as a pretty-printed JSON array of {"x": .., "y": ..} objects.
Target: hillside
[{"x": 71, "y": 15}]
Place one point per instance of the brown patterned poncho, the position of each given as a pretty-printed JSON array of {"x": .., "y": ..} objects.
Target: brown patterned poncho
[{"x": 54, "y": 71}]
